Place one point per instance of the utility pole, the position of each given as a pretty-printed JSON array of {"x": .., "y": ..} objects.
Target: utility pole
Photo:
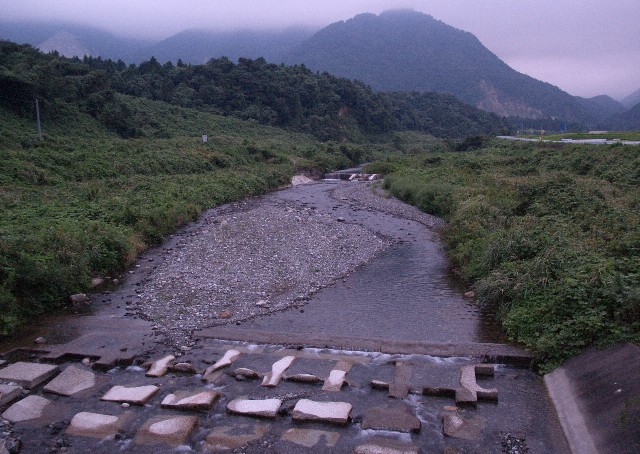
[{"x": 38, "y": 120}]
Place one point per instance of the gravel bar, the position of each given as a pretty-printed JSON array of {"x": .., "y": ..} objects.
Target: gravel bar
[{"x": 251, "y": 258}]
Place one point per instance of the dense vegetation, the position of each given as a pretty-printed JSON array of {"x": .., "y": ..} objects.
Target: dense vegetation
[
  {"x": 295, "y": 98},
  {"x": 84, "y": 201},
  {"x": 411, "y": 51},
  {"x": 116, "y": 173},
  {"x": 549, "y": 235}
]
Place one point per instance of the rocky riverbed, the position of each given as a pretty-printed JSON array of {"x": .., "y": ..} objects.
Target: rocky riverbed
[{"x": 257, "y": 256}]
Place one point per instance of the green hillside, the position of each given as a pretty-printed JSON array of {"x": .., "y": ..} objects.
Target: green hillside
[
  {"x": 294, "y": 98},
  {"x": 122, "y": 162},
  {"x": 411, "y": 51},
  {"x": 547, "y": 234}
]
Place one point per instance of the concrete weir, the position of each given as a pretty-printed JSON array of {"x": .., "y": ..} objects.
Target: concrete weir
[{"x": 597, "y": 399}]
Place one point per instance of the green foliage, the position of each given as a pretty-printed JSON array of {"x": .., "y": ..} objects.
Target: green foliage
[
  {"x": 548, "y": 234},
  {"x": 85, "y": 201},
  {"x": 291, "y": 97}
]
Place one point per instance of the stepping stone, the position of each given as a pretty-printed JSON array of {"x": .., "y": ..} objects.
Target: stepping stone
[
  {"x": 9, "y": 393},
  {"x": 378, "y": 445},
  {"x": 335, "y": 381},
  {"x": 28, "y": 375},
  {"x": 336, "y": 377},
  {"x": 184, "y": 400},
  {"x": 226, "y": 360},
  {"x": 131, "y": 395},
  {"x": 397, "y": 419},
  {"x": 72, "y": 380},
  {"x": 265, "y": 408},
  {"x": 31, "y": 407},
  {"x": 470, "y": 391},
  {"x": 160, "y": 367},
  {"x": 227, "y": 438},
  {"x": 400, "y": 387},
  {"x": 172, "y": 430},
  {"x": 274, "y": 377},
  {"x": 331, "y": 412},
  {"x": 311, "y": 437},
  {"x": 96, "y": 425}
]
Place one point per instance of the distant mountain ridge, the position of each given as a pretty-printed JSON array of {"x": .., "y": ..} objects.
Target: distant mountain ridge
[
  {"x": 408, "y": 50},
  {"x": 199, "y": 46},
  {"x": 632, "y": 99},
  {"x": 399, "y": 50}
]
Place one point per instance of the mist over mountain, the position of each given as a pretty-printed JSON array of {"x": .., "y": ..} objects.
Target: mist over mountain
[
  {"x": 625, "y": 121},
  {"x": 632, "y": 99},
  {"x": 399, "y": 50},
  {"x": 60, "y": 36},
  {"x": 198, "y": 46},
  {"x": 605, "y": 105},
  {"x": 407, "y": 50}
]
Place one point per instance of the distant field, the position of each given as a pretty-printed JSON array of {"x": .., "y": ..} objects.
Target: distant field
[{"x": 622, "y": 135}]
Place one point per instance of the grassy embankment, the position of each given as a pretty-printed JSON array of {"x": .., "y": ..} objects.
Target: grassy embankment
[
  {"x": 549, "y": 235},
  {"x": 84, "y": 202}
]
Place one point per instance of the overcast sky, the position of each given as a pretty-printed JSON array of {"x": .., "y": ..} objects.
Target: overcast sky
[{"x": 586, "y": 47}]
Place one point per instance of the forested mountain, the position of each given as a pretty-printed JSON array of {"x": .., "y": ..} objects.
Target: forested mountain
[
  {"x": 605, "y": 105},
  {"x": 288, "y": 97},
  {"x": 407, "y": 50},
  {"x": 625, "y": 121}
]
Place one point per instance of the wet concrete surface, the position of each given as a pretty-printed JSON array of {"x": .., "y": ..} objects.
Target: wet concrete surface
[{"x": 519, "y": 409}]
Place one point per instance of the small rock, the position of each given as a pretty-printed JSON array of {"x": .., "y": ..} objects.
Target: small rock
[
  {"x": 86, "y": 361},
  {"x": 340, "y": 219},
  {"x": 470, "y": 294},
  {"x": 40, "y": 340},
  {"x": 185, "y": 368},
  {"x": 97, "y": 282},
  {"x": 451, "y": 424},
  {"x": 224, "y": 314},
  {"x": 79, "y": 298}
]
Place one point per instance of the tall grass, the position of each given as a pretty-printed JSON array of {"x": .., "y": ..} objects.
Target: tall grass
[
  {"x": 84, "y": 201},
  {"x": 549, "y": 235}
]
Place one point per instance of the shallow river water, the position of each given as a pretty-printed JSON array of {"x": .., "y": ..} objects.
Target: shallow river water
[{"x": 406, "y": 293}]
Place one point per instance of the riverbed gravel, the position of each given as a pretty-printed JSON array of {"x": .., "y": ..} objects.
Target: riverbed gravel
[{"x": 249, "y": 259}]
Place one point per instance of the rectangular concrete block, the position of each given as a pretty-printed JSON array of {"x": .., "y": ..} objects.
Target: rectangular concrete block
[
  {"x": 137, "y": 395},
  {"x": 72, "y": 380},
  {"x": 331, "y": 412},
  {"x": 28, "y": 375},
  {"x": 31, "y": 407},
  {"x": 9, "y": 393},
  {"x": 95, "y": 425}
]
